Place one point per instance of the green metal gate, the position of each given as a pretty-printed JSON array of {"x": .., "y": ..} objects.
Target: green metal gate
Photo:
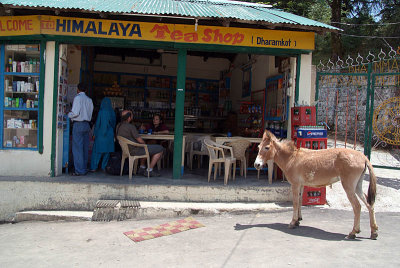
[{"x": 360, "y": 104}]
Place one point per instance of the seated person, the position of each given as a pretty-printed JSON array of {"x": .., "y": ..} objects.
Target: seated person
[
  {"x": 129, "y": 131},
  {"x": 157, "y": 127}
]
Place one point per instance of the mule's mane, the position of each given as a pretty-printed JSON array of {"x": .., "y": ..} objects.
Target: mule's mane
[{"x": 289, "y": 145}]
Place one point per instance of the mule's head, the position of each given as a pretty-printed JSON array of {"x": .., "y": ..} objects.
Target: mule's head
[{"x": 266, "y": 149}]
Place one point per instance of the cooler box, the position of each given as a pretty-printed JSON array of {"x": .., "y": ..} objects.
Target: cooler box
[
  {"x": 314, "y": 196},
  {"x": 311, "y": 137},
  {"x": 311, "y": 132}
]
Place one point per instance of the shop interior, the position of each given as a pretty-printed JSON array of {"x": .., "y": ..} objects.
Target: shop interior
[
  {"x": 223, "y": 92},
  {"x": 226, "y": 94}
]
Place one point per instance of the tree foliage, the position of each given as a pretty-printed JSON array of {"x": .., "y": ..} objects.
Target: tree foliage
[{"x": 364, "y": 25}]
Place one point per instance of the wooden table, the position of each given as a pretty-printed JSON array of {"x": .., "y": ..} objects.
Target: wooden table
[
  {"x": 270, "y": 163},
  {"x": 167, "y": 137}
]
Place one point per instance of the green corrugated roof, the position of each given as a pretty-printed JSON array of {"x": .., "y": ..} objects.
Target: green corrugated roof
[{"x": 211, "y": 9}]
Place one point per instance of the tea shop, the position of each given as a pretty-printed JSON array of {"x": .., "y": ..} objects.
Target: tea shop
[{"x": 201, "y": 76}]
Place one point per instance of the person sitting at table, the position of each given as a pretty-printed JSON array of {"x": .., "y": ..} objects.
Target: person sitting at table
[
  {"x": 129, "y": 131},
  {"x": 157, "y": 126}
]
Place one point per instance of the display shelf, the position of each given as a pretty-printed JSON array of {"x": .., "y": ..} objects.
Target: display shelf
[
  {"x": 268, "y": 118},
  {"x": 19, "y": 106},
  {"x": 21, "y": 74},
  {"x": 20, "y": 109},
  {"x": 21, "y": 148},
  {"x": 135, "y": 81},
  {"x": 154, "y": 82},
  {"x": 148, "y": 94},
  {"x": 159, "y": 88},
  {"x": 13, "y": 92},
  {"x": 9, "y": 128},
  {"x": 105, "y": 78},
  {"x": 276, "y": 97}
]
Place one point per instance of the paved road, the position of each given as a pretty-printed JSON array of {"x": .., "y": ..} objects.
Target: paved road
[{"x": 246, "y": 240}]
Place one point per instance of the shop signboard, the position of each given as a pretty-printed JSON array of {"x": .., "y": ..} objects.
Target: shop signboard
[
  {"x": 19, "y": 25},
  {"x": 161, "y": 32}
]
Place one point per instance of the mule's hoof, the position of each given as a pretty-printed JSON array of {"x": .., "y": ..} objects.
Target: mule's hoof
[
  {"x": 297, "y": 223},
  {"x": 374, "y": 236},
  {"x": 292, "y": 226},
  {"x": 351, "y": 236}
]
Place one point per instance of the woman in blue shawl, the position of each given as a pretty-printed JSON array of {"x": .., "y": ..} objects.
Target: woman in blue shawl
[{"x": 103, "y": 135}]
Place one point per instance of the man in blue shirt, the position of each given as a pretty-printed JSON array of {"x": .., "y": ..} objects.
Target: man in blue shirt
[{"x": 81, "y": 114}]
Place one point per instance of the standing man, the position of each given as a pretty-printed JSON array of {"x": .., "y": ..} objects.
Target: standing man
[
  {"x": 81, "y": 114},
  {"x": 129, "y": 131}
]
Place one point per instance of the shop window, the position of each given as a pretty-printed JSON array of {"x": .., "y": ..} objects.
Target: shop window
[{"x": 19, "y": 106}]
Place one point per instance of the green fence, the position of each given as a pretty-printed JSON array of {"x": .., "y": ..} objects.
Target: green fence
[{"x": 360, "y": 103}]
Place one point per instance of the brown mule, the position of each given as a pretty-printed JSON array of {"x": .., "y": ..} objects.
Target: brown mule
[{"x": 318, "y": 168}]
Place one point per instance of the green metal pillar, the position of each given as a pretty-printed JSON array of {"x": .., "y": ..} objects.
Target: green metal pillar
[
  {"x": 368, "y": 121},
  {"x": 316, "y": 95},
  {"x": 297, "y": 88},
  {"x": 54, "y": 115},
  {"x": 179, "y": 110},
  {"x": 41, "y": 94}
]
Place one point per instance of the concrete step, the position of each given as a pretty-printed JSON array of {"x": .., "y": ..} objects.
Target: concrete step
[
  {"x": 41, "y": 215},
  {"x": 81, "y": 194},
  {"x": 151, "y": 210}
]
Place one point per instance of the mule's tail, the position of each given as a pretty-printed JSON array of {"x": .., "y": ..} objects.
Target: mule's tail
[{"x": 372, "y": 184}]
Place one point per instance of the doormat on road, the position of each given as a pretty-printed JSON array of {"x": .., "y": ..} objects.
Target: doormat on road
[{"x": 170, "y": 228}]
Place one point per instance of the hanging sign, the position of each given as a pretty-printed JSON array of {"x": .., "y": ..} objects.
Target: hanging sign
[{"x": 161, "y": 32}]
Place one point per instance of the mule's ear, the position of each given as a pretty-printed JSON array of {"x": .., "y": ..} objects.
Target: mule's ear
[
  {"x": 269, "y": 135},
  {"x": 276, "y": 143}
]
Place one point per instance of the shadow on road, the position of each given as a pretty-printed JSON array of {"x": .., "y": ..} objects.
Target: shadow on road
[
  {"x": 304, "y": 231},
  {"x": 388, "y": 182}
]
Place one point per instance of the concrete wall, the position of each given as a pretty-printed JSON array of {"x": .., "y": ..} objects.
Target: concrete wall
[
  {"x": 313, "y": 85},
  {"x": 305, "y": 97},
  {"x": 262, "y": 67},
  {"x": 74, "y": 64},
  {"x": 24, "y": 162}
]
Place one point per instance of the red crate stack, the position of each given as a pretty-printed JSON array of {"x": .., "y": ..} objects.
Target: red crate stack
[
  {"x": 312, "y": 143},
  {"x": 313, "y": 195},
  {"x": 302, "y": 116}
]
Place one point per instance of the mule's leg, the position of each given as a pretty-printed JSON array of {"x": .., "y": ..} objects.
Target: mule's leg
[
  {"x": 349, "y": 187},
  {"x": 372, "y": 220},
  {"x": 295, "y": 196},
  {"x": 300, "y": 203}
]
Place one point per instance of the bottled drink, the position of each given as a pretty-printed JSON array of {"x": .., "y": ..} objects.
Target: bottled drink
[
  {"x": 315, "y": 145},
  {"x": 308, "y": 145},
  {"x": 9, "y": 65},
  {"x": 30, "y": 68},
  {"x": 34, "y": 66}
]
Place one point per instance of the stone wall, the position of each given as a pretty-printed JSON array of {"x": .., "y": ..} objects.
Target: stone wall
[{"x": 344, "y": 99}]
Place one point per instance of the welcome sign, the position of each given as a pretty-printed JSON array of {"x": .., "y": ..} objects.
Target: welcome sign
[{"x": 146, "y": 31}]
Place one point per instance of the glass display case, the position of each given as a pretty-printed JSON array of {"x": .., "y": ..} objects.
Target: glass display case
[{"x": 20, "y": 103}]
